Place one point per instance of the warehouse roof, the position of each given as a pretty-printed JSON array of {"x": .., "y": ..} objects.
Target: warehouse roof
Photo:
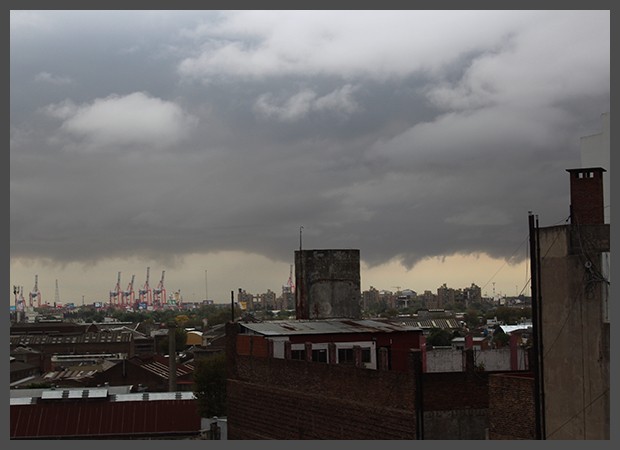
[
  {"x": 101, "y": 337},
  {"x": 327, "y": 326}
]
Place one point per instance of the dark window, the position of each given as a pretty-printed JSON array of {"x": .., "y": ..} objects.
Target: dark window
[
  {"x": 319, "y": 355},
  {"x": 345, "y": 356},
  {"x": 365, "y": 355},
  {"x": 298, "y": 354}
]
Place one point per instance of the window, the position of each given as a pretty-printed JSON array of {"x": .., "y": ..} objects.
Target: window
[
  {"x": 298, "y": 354},
  {"x": 345, "y": 356},
  {"x": 319, "y": 355},
  {"x": 365, "y": 355}
]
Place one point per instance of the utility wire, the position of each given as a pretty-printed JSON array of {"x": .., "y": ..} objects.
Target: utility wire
[
  {"x": 505, "y": 262},
  {"x": 605, "y": 392}
]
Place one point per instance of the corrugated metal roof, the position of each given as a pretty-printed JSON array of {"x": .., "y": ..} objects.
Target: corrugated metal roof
[
  {"x": 510, "y": 328},
  {"x": 328, "y": 326},
  {"x": 154, "y": 396},
  {"x": 51, "y": 395},
  {"x": 106, "y": 418},
  {"x": 22, "y": 401},
  {"x": 38, "y": 392},
  {"x": 104, "y": 336},
  {"x": 160, "y": 367},
  {"x": 432, "y": 323}
]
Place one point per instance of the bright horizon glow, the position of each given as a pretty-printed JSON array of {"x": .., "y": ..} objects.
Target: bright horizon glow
[{"x": 229, "y": 271}]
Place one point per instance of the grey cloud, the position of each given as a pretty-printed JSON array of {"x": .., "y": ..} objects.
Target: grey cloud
[
  {"x": 46, "y": 77},
  {"x": 132, "y": 119},
  {"x": 306, "y": 101},
  {"x": 399, "y": 140}
]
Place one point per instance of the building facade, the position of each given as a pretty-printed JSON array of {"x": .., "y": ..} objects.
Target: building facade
[{"x": 575, "y": 330}]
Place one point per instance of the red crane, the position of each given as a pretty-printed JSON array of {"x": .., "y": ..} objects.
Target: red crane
[
  {"x": 115, "y": 294},
  {"x": 21, "y": 302},
  {"x": 159, "y": 293},
  {"x": 129, "y": 295},
  {"x": 35, "y": 293},
  {"x": 144, "y": 294}
]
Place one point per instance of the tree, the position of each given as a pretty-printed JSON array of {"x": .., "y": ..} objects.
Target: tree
[
  {"x": 210, "y": 385},
  {"x": 439, "y": 338},
  {"x": 180, "y": 341},
  {"x": 500, "y": 338}
]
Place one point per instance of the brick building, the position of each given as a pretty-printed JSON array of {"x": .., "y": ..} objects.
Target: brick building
[
  {"x": 285, "y": 398},
  {"x": 571, "y": 307}
]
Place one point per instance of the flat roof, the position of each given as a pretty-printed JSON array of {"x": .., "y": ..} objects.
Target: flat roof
[{"x": 326, "y": 326}]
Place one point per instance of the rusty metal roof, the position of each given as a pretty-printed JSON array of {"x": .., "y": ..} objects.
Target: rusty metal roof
[
  {"x": 327, "y": 326},
  {"x": 94, "y": 415}
]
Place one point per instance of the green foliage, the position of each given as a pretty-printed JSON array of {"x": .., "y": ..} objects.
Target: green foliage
[
  {"x": 439, "y": 338},
  {"x": 500, "y": 338},
  {"x": 210, "y": 385},
  {"x": 508, "y": 315},
  {"x": 180, "y": 340}
]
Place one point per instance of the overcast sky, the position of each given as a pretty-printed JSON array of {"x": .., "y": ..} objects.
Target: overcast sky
[{"x": 199, "y": 142}]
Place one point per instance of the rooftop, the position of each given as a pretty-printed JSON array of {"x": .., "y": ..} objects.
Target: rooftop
[{"x": 327, "y": 326}]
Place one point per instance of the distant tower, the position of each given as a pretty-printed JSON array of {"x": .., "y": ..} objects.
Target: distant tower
[
  {"x": 327, "y": 284},
  {"x": 145, "y": 293},
  {"x": 35, "y": 293},
  {"x": 56, "y": 295},
  {"x": 289, "y": 283},
  {"x": 159, "y": 293}
]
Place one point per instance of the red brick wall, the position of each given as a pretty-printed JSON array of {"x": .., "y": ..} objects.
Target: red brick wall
[
  {"x": 511, "y": 407},
  {"x": 586, "y": 197},
  {"x": 289, "y": 399},
  {"x": 455, "y": 390}
]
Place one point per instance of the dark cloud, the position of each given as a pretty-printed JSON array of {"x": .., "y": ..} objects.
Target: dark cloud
[{"x": 140, "y": 134}]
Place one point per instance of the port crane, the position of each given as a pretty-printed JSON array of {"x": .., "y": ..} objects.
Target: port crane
[
  {"x": 144, "y": 294},
  {"x": 20, "y": 303},
  {"x": 35, "y": 293},
  {"x": 129, "y": 295},
  {"x": 115, "y": 294},
  {"x": 159, "y": 293},
  {"x": 289, "y": 283}
]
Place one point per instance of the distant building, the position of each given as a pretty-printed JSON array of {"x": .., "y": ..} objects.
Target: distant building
[{"x": 336, "y": 341}]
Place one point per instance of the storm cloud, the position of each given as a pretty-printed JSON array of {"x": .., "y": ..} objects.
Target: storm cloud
[{"x": 406, "y": 134}]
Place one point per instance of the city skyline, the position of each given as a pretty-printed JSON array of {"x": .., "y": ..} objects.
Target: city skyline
[
  {"x": 188, "y": 141},
  {"x": 178, "y": 280}
]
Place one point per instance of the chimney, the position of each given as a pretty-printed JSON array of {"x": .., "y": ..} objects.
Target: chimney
[{"x": 586, "y": 196}]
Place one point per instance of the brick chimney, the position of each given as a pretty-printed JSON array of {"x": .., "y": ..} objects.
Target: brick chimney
[{"x": 586, "y": 196}]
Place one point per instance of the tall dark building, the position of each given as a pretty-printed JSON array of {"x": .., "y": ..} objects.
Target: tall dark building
[{"x": 327, "y": 284}]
